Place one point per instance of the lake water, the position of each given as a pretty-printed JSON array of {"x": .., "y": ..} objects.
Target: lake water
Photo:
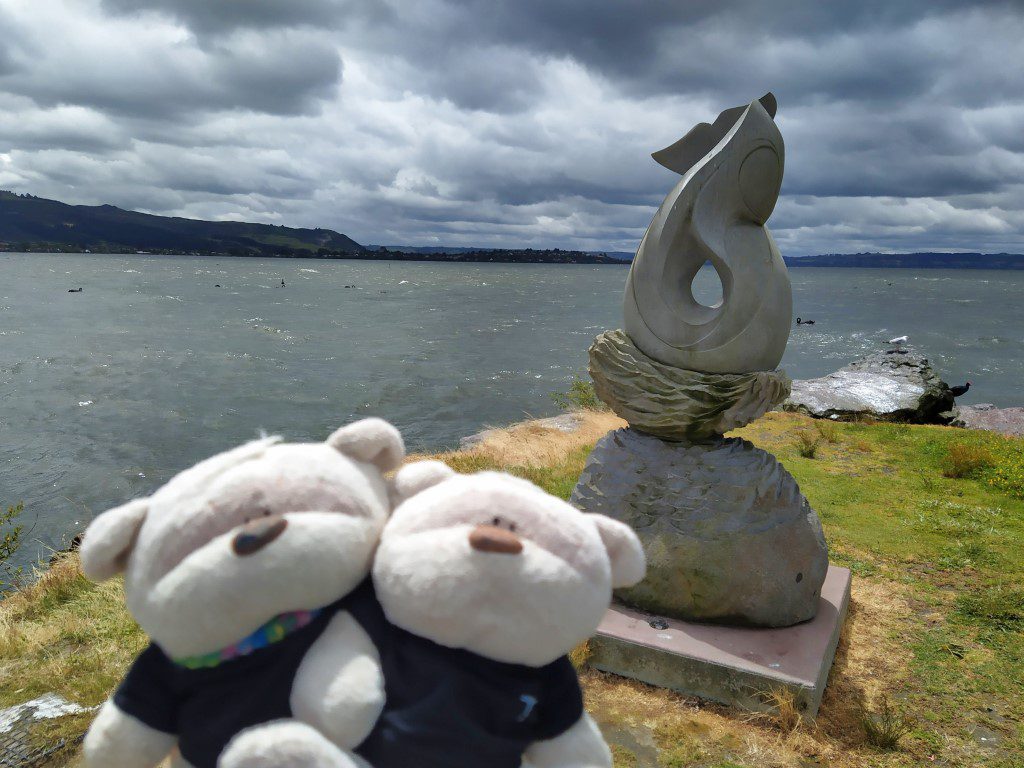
[{"x": 108, "y": 392}]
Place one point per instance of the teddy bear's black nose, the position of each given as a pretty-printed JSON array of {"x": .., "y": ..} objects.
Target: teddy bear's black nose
[
  {"x": 255, "y": 535},
  {"x": 490, "y": 538}
]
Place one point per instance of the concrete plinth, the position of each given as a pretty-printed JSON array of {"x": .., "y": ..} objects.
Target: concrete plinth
[{"x": 731, "y": 665}]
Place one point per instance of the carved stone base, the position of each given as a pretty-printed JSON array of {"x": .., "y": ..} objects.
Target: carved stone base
[
  {"x": 673, "y": 403},
  {"x": 728, "y": 535}
]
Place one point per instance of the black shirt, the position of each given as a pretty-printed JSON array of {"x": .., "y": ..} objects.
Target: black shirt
[
  {"x": 206, "y": 708},
  {"x": 445, "y": 707},
  {"x": 450, "y": 708}
]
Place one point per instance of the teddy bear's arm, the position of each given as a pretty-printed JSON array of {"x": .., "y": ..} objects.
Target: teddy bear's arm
[
  {"x": 339, "y": 687},
  {"x": 118, "y": 740},
  {"x": 285, "y": 743},
  {"x": 582, "y": 746}
]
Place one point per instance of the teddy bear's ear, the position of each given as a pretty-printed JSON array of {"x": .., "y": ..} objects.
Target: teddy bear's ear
[
  {"x": 109, "y": 539},
  {"x": 370, "y": 440},
  {"x": 418, "y": 477},
  {"x": 629, "y": 564}
]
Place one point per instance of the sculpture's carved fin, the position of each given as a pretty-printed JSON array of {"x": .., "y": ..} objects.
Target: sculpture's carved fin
[{"x": 702, "y": 138}]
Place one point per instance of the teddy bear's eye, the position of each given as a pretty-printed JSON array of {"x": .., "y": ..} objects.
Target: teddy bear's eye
[
  {"x": 246, "y": 519},
  {"x": 512, "y": 527},
  {"x": 496, "y": 521},
  {"x": 266, "y": 513}
]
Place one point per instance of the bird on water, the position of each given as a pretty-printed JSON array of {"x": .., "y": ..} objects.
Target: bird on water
[
  {"x": 899, "y": 340},
  {"x": 801, "y": 321},
  {"x": 960, "y": 390}
]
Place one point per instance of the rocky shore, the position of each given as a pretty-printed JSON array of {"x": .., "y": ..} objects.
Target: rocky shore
[
  {"x": 1008, "y": 421},
  {"x": 894, "y": 385}
]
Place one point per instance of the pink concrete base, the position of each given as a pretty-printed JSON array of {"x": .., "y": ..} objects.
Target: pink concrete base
[{"x": 732, "y": 665}]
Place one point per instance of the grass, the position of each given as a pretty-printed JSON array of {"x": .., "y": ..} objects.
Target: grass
[
  {"x": 828, "y": 430},
  {"x": 64, "y": 634},
  {"x": 966, "y": 460},
  {"x": 935, "y": 630},
  {"x": 1008, "y": 473},
  {"x": 580, "y": 396},
  {"x": 807, "y": 444},
  {"x": 12, "y": 533},
  {"x": 884, "y": 729}
]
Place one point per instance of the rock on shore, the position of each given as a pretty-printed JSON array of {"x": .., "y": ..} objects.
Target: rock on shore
[
  {"x": 1008, "y": 421},
  {"x": 895, "y": 385}
]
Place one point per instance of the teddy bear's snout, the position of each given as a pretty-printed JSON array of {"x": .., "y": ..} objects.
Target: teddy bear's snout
[
  {"x": 490, "y": 538},
  {"x": 255, "y": 535}
]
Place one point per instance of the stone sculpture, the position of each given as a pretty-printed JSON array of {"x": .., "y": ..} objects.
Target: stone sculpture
[
  {"x": 727, "y": 533},
  {"x": 715, "y": 213}
]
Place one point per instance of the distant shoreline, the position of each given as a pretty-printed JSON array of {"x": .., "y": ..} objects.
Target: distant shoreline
[
  {"x": 970, "y": 261},
  {"x": 495, "y": 256},
  {"x": 926, "y": 260}
]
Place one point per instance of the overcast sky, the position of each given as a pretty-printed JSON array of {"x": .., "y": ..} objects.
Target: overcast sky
[{"x": 518, "y": 123}]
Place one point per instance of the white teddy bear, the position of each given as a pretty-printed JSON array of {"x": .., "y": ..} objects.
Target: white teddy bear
[
  {"x": 238, "y": 569},
  {"x": 487, "y": 582}
]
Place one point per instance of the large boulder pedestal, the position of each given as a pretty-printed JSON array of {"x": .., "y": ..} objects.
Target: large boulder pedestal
[{"x": 728, "y": 535}]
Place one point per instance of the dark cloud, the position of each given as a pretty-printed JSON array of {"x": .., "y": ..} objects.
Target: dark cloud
[
  {"x": 279, "y": 72},
  {"x": 219, "y": 16},
  {"x": 475, "y": 122}
]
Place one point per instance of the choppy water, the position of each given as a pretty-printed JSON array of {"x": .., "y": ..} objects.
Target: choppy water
[{"x": 108, "y": 392}]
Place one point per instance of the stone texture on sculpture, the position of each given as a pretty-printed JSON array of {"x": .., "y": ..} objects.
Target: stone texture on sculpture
[
  {"x": 727, "y": 533},
  {"x": 674, "y": 403},
  {"x": 732, "y": 173},
  {"x": 896, "y": 385}
]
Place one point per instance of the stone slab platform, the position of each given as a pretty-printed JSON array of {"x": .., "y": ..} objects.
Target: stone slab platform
[{"x": 731, "y": 665}]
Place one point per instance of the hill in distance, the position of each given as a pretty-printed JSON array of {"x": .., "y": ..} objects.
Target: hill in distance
[
  {"x": 911, "y": 260},
  {"x": 30, "y": 223},
  {"x": 35, "y": 224}
]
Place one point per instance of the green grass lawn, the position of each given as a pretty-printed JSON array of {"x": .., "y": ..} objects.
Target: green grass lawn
[{"x": 933, "y": 643}]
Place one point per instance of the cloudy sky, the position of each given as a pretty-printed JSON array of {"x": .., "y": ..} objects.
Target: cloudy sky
[{"x": 518, "y": 122}]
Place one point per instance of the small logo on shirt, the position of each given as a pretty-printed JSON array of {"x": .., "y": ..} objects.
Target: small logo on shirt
[{"x": 529, "y": 702}]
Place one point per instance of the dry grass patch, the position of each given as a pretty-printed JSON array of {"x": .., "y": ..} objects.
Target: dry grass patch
[
  {"x": 531, "y": 444},
  {"x": 828, "y": 430},
  {"x": 966, "y": 460},
  {"x": 807, "y": 444},
  {"x": 885, "y": 728},
  {"x": 66, "y": 635}
]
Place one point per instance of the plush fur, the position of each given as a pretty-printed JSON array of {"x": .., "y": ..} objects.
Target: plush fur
[
  {"x": 285, "y": 744},
  {"x": 582, "y": 746},
  {"x": 339, "y": 688},
  {"x": 117, "y": 740},
  {"x": 494, "y": 565},
  {"x": 193, "y": 592}
]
